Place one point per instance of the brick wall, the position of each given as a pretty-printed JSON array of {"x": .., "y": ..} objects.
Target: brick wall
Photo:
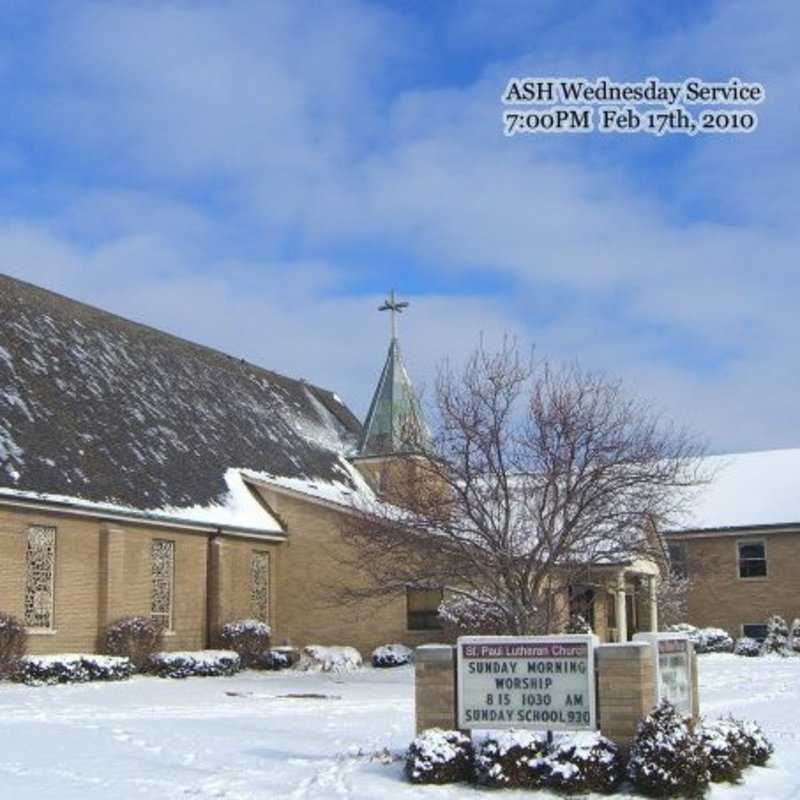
[
  {"x": 103, "y": 572},
  {"x": 310, "y": 563},
  {"x": 720, "y": 598}
]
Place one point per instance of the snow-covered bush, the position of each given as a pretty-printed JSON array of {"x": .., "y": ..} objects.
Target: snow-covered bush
[
  {"x": 392, "y": 655},
  {"x": 705, "y": 640},
  {"x": 759, "y": 748},
  {"x": 777, "y": 640},
  {"x": 726, "y": 748},
  {"x": 667, "y": 758},
  {"x": 199, "y": 663},
  {"x": 319, "y": 658},
  {"x": 438, "y": 756},
  {"x": 514, "y": 759},
  {"x": 249, "y": 638},
  {"x": 72, "y": 668},
  {"x": 796, "y": 635},
  {"x": 465, "y": 616},
  {"x": 13, "y": 644},
  {"x": 578, "y": 624},
  {"x": 747, "y": 647},
  {"x": 585, "y": 762},
  {"x": 135, "y": 638}
]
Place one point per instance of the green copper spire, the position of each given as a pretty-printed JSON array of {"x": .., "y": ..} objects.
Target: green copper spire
[{"x": 394, "y": 422}]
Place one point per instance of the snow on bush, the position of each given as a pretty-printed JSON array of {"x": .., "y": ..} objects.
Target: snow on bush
[
  {"x": 320, "y": 658},
  {"x": 578, "y": 624},
  {"x": 72, "y": 668},
  {"x": 796, "y": 635},
  {"x": 199, "y": 663},
  {"x": 726, "y": 748},
  {"x": 705, "y": 640},
  {"x": 747, "y": 647},
  {"x": 468, "y": 615},
  {"x": 135, "y": 638},
  {"x": 667, "y": 758},
  {"x": 585, "y": 762},
  {"x": 392, "y": 655},
  {"x": 513, "y": 759},
  {"x": 13, "y": 644},
  {"x": 759, "y": 748},
  {"x": 249, "y": 638},
  {"x": 438, "y": 756},
  {"x": 777, "y": 640}
]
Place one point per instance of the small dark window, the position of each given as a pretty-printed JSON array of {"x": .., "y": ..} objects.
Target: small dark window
[
  {"x": 757, "y": 631},
  {"x": 678, "y": 559},
  {"x": 611, "y": 610},
  {"x": 422, "y": 608},
  {"x": 752, "y": 560}
]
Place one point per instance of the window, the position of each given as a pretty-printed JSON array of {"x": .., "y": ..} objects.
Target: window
[
  {"x": 752, "y": 559},
  {"x": 756, "y": 630},
  {"x": 678, "y": 559},
  {"x": 422, "y": 608},
  {"x": 581, "y": 603},
  {"x": 162, "y": 570},
  {"x": 259, "y": 585},
  {"x": 40, "y": 563}
]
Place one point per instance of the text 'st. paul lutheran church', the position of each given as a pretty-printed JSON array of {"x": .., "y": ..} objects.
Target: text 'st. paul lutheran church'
[{"x": 143, "y": 474}]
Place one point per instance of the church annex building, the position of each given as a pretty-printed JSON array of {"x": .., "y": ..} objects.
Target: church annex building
[{"x": 141, "y": 474}]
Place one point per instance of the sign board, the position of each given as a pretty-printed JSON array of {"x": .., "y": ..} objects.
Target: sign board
[
  {"x": 534, "y": 682},
  {"x": 673, "y": 668}
]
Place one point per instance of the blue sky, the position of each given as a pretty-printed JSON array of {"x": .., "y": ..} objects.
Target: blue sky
[{"x": 255, "y": 176}]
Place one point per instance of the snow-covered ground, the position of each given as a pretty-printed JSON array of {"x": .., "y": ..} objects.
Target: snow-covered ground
[{"x": 242, "y": 737}]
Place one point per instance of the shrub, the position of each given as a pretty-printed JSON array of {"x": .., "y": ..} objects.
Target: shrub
[
  {"x": 667, "y": 759},
  {"x": 200, "y": 663},
  {"x": 72, "y": 668},
  {"x": 585, "y": 762},
  {"x": 747, "y": 647},
  {"x": 514, "y": 759},
  {"x": 438, "y": 756},
  {"x": 462, "y": 615},
  {"x": 759, "y": 748},
  {"x": 13, "y": 645},
  {"x": 135, "y": 638},
  {"x": 577, "y": 624},
  {"x": 726, "y": 748},
  {"x": 318, "y": 658},
  {"x": 796, "y": 635},
  {"x": 249, "y": 638},
  {"x": 705, "y": 640},
  {"x": 777, "y": 640},
  {"x": 392, "y": 655}
]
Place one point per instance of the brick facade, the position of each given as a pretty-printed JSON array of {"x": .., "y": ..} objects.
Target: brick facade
[
  {"x": 103, "y": 572},
  {"x": 720, "y": 598}
]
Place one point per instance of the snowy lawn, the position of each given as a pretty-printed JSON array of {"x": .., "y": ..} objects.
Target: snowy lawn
[{"x": 241, "y": 737}]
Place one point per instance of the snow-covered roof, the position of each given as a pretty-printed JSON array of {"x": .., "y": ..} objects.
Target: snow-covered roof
[
  {"x": 98, "y": 410},
  {"x": 748, "y": 490}
]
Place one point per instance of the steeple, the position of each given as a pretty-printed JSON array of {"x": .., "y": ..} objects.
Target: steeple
[{"x": 394, "y": 423}]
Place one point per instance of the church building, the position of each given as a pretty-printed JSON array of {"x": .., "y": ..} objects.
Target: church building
[{"x": 144, "y": 474}]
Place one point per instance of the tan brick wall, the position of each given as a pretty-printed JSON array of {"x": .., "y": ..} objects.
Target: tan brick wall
[
  {"x": 720, "y": 598},
  {"x": 103, "y": 573},
  {"x": 310, "y": 563}
]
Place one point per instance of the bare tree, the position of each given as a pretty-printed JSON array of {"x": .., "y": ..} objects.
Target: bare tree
[{"x": 532, "y": 476}]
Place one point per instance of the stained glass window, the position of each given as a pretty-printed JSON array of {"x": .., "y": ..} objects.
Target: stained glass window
[
  {"x": 162, "y": 555},
  {"x": 39, "y": 581},
  {"x": 259, "y": 586}
]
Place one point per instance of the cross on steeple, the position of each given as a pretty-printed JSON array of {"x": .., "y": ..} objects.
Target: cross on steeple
[{"x": 394, "y": 307}]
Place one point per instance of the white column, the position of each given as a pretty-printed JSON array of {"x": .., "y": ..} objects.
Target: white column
[
  {"x": 653, "y": 605},
  {"x": 622, "y": 613}
]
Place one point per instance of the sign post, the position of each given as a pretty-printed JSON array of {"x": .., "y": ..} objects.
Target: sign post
[
  {"x": 671, "y": 655},
  {"x": 537, "y": 682}
]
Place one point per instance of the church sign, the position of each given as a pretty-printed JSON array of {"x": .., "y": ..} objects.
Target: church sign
[
  {"x": 672, "y": 662},
  {"x": 533, "y": 682}
]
